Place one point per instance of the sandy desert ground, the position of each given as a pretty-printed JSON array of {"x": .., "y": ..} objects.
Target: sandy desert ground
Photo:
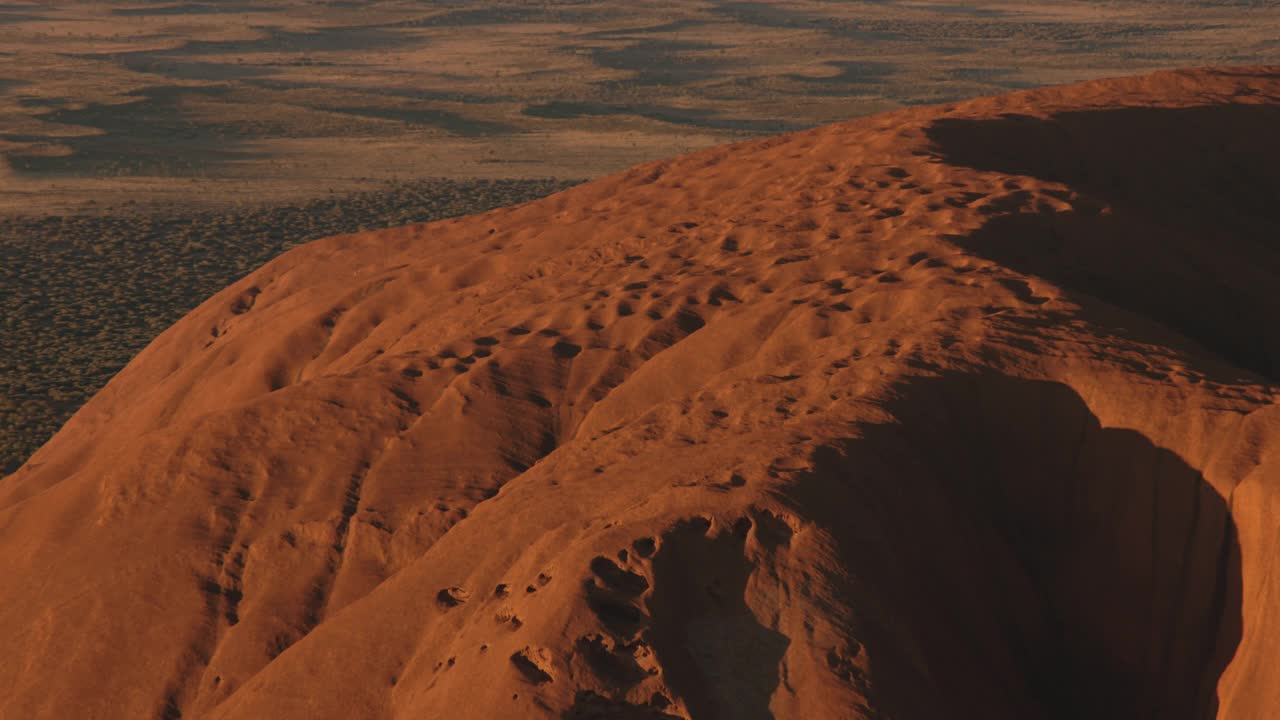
[
  {"x": 169, "y": 102},
  {"x": 963, "y": 411}
]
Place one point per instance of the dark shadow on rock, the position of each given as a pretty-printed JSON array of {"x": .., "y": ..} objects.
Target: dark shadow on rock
[
  {"x": 1003, "y": 555},
  {"x": 590, "y": 706},
  {"x": 1177, "y": 219},
  {"x": 714, "y": 653}
]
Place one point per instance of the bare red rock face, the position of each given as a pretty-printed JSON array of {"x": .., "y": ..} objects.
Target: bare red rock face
[{"x": 964, "y": 411}]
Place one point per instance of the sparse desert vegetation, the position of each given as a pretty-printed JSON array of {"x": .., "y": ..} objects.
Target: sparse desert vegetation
[{"x": 181, "y": 103}]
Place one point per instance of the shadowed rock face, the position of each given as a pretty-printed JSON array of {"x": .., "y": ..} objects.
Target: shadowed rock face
[
  {"x": 1207, "y": 177},
  {"x": 959, "y": 412},
  {"x": 1036, "y": 563},
  {"x": 720, "y": 659}
]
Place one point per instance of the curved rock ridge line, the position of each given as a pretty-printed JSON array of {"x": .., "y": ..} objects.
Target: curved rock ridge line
[{"x": 963, "y": 411}]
